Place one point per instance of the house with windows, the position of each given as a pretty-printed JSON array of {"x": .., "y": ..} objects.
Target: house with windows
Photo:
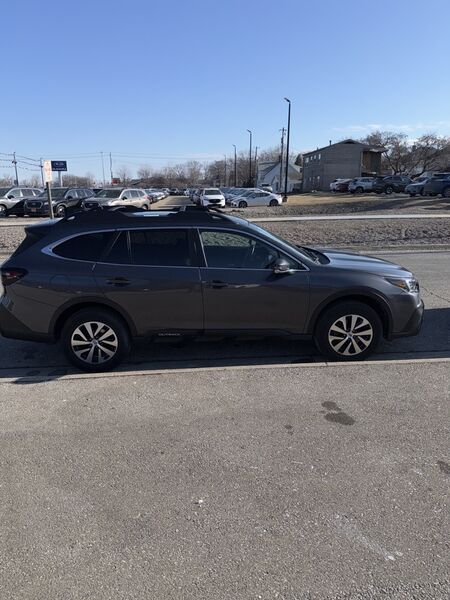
[
  {"x": 273, "y": 173},
  {"x": 346, "y": 159}
]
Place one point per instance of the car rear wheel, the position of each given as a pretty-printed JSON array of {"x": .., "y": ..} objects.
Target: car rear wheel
[
  {"x": 388, "y": 189},
  {"x": 95, "y": 340},
  {"x": 2, "y": 211},
  {"x": 348, "y": 331},
  {"x": 242, "y": 204},
  {"x": 273, "y": 202},
  {"x": 359, "y": 190}
]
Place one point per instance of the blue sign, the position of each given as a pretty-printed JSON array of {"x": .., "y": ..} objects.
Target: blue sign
[{"x": 59, "y": 165}]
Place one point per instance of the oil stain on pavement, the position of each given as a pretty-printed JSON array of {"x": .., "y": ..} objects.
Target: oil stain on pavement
[{"x": 335, "y": 414}]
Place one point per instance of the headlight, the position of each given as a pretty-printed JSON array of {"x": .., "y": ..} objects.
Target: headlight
[{"x": 410, "y": 285}]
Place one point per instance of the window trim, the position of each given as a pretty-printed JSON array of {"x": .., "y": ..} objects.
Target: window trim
[{"x": 251, "y": 235}]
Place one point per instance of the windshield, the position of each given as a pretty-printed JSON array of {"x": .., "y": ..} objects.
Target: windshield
[
  {"x": 109, "y": 193},
  {"x": 56, "y": 193},
  {"x": 3, "y": 191},
  {"x": 212, "y": 192}
]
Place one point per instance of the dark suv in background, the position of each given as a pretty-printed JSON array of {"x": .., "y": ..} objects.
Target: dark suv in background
[
  {"x": 438, "y": 184},
  {"x": 390, "y": 184},
  {"x": 65, "y": 200},
  {"x": 97, "y": 280}
]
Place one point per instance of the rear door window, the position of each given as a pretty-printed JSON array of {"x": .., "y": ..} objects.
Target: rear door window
[
  {"x": 119, "y": 254},
  {"x": 160, "y": 247},
  {"x": 89, "y": 247}
]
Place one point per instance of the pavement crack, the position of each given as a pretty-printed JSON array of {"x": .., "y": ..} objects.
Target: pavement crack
[{"x": 435, "y": 295}]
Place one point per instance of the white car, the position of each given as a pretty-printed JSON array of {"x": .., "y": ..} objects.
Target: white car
[
  {"x": 336, "y": 182},
  {"x": 211, "y": 197},
  {"x": 257, "y": 198}
]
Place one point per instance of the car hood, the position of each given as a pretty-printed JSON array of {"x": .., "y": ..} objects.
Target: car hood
[{"x": 369, "y": 264}]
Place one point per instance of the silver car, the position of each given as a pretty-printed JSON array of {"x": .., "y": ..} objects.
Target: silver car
[
  {"x": 359, "y": 185},
  {"x": 119, "y": 197},
  {"x": 416, "y": 186},
  {"x": 10, "y": 196}
]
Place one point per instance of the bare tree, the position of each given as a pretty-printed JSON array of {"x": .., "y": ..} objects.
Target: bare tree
[
  {"x": 144, "y": 173},
  {"x": 123, "y": 173},
  {"x": 6, "y": 181},
  {"x": 87, "y": 180}
]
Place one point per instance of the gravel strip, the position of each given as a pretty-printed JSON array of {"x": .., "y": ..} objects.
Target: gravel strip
[{"x": 357, "y": 234}]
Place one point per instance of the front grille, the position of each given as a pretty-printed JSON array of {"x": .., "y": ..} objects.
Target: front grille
[
  {"x": 90, "y": 204},
  {"x": 34, "y": 204}
]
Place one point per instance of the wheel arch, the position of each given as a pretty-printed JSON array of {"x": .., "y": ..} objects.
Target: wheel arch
[
  {"x": 379, "y": 305},
  {"x": 68, "y": 310}
]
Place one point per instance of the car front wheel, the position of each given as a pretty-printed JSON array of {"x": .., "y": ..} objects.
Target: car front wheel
[
  {"x": 348, "y": 331},
  {"x": 95, "y": 339},
  {"x": 2, "y": 211},
  {"x": 273, "y": 202},
  {"x": 389, "y": 189},
  {"x": 61, "y": 211},
  {"x": 242, "y": 204}
]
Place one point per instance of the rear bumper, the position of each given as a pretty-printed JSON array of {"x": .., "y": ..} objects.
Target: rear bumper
[
  {"x": 11, "y": 327},
  {"x": 413, "y": 325}
]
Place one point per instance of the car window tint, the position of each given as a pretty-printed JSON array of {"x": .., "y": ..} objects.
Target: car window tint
[
  {"x": 160, "y": 247},
  {"x": 16, "y": 193},
  {"x": 119, "y": 253},
  {"x": 84, "y": 247},
  {"x": 226, "y": 250}
]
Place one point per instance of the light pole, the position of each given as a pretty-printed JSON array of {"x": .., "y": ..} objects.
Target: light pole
[
  {"x": 256, "y": 164},
  {"x": 287, "y": 150},
  {"x": 14, "y": 161},
  {"x": 235, "y": 166},
  {"x": 103, "y": 169},
  {"x": 250, "y": 161},
  {"x": 225, "y": 170}
]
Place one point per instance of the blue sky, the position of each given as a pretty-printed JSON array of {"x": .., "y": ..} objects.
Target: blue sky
[{"x": 162, "y": 82}]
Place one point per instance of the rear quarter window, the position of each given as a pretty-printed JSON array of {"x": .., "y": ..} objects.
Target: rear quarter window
[{"x": 89, "y": 247}]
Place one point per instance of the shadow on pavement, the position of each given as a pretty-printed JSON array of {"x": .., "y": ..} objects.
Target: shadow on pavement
[{"x": 432, "y": 342}]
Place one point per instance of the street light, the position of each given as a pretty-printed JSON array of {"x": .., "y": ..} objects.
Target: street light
[
  {"x": 287, "y": 150},
  {"x": 250, "y": 160},
  {"x": 235, "y": 166}
]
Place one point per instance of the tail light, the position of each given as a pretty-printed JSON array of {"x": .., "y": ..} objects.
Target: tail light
[{"x": 11, "y": 275}]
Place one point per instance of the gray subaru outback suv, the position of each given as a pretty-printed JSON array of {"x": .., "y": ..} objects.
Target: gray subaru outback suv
[{"x": 96, "y": 280}]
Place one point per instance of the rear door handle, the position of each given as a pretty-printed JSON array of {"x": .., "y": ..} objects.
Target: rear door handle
[
  {"x": 118, "y": 281},
  {"x": 216, "y": 284}
]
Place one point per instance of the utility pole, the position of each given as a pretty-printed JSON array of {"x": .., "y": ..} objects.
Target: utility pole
[
  {"x": 235, "y": 166},
  {"x": 283, "y": 130},
  {"x": 225, "y": 170},
  {"x": 15, "y": 168},
  {"x": 103, "y": 169},
  {"x": 110, "y": 167},
  {"x": 42, "y": 171},
  {"x": 256, "y": 165},
  {"x": 287, "y": 150},
  {"x": 250, "y": 161}
]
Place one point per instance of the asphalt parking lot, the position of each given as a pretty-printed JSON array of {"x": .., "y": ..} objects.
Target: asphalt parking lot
[{"x": 238, "y": 469}]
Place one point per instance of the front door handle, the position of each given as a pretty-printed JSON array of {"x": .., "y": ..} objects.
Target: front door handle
[
  {"x": 118, "y": 281},
  {"x": 216, "y": 284}
]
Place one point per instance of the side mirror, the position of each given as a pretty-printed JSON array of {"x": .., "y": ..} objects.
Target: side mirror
[
  {"x": 124, "y": 198},
  {"x": 10, "y": 197},
  {"x": 69, "y": 198},
  {"x": 281, "y": 267}
]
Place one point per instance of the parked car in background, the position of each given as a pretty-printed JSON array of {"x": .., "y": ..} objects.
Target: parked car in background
[
  {"x": 266, "y": 187},
  {"x": 196, "y": 195},
  {"x": 391, "y": 183},
  {"x": 65, "y": 200},
  {"x": 335, "y": 182},
  {"x": 13, "y": 197},
  {"x": 130, "y": 275},
  {"x": 117, "y": 196},
  {"x": 359, "y": 185},
  {"x": 438, "y": 184},
  {"x": 174, "y": 192},
  {"x": 257, "y": 198},
  {"x": 342, "y": 185},
  {"x": 416, "y": 186},
  {"x": 155, "y": 194},
  {"x": 211, "y": 197}
]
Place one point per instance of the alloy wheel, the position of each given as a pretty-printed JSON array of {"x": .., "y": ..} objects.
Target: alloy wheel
[
  {"x": 2, "y": 211},
  {"x": 350, "y": 335},
  {"x": 94, "y": 342}
]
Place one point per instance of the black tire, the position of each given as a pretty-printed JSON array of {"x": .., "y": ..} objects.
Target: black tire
[
  {"x": 118, "y": 342},
  {"x": 422, "y": 192},
  {"x": 367, "y": 344},
  {"x": 242, "y": 204},
  {"x": 412, "y": 194},
  {"x": 359, "y": 190},
  {"x": 446, "y": 192},
  {"x": 273, "y": 202},
  {"x": 145, "y": 207},
  {"x": 61, "y": 211},
  {"x": 388, "y": 189},
  {"x": 3, "y": 211}
]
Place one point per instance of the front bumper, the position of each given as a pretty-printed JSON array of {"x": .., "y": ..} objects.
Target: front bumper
[{"x": 413, "y": 325}]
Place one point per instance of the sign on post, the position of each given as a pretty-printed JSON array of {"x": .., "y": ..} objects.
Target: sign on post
[
  {"x": 48, "y": 176},
  {"x": 59, "y": 165}
]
